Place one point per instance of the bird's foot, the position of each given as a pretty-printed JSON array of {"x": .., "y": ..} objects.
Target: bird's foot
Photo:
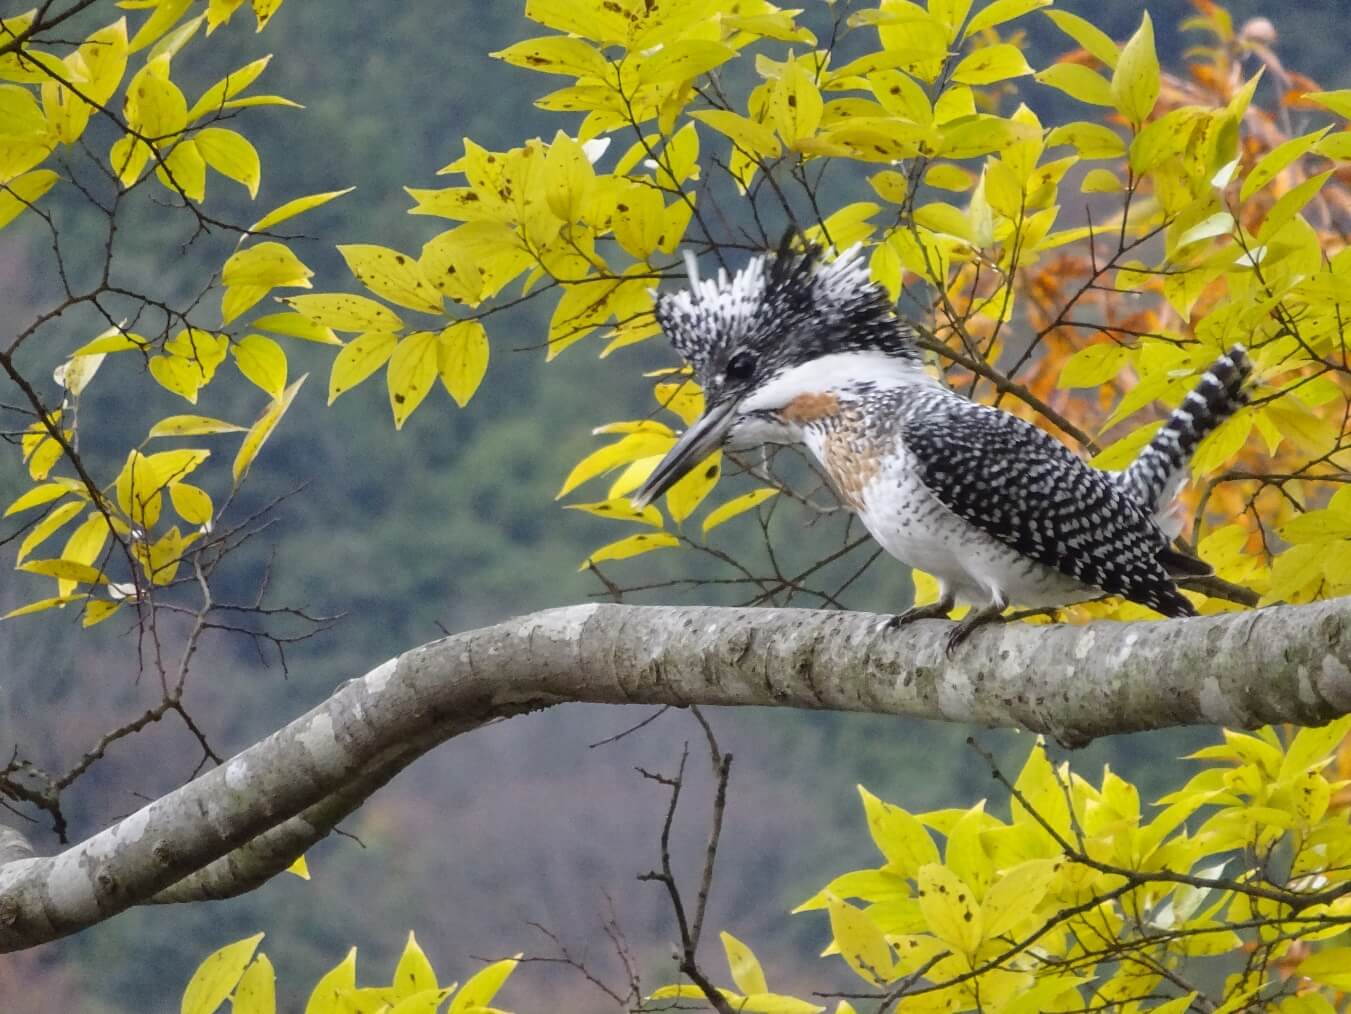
[
  {"x": 933, "y": 611},
  {"x": 974, "y": 619}
]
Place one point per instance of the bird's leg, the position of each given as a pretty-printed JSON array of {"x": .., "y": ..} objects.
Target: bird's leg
[
  {"x": 933, "y": 611},
  {"x": 993, "y": 613}
]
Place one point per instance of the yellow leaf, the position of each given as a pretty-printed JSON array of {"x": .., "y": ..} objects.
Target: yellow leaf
[
  {"x": 554, "y": 54},
  {"x": 393, "y": 275},
  {"x": 898, "y": 835},
  {"x": 860, "y": 942},
  {"x": 686, "y": 495},
  {"x": 257, "y": 989},
  {"x": 262, "y": 361},
  {"x": 990, "y": 64},
  {"x": 55, "y": 519},
  {"x": 261, "y": 430},
  {"x": 462, "y": 359},
  {"x": 39, "y": 495},
  {"x": 568, "y": 177},
  {"x": 85, "y": 545},
  {"x": 1078, "y": 82},
  {"x": 755, "y": 139},
  {"x": 949, "y": 908},
  {"x": 43, "y": 604},
  {"x": 1091, "y": 140},
  {"x": 230, "y": 154},
  {"x": 1330, "y": 967},
  {"x": 184, "y": 171},
  {"x": 795, "y": 104},
  {"x": 1294, "y": 571},
  {"x": 1314, "y": 434},
  {"x": 111, "y": 341},
  {"x": 18, "y": 195},
  {"x": 737, "y": 505},
  {"x": 263, "y": 11},
  {"x": 1088, "y": 35},
  {"x": 138, "y": 490},
  {"x": 634, "y": 545},
  {"x": 293, "y": 325},
  {"x": 682, "y": 60},
  {"x": 482, "y": 987},
  {"x": 411, "y": 374},
  {"x": 1221, "y": 446},
  {"x": 1016, "y": 895},
  {"x": 414, "y": 973},
  {"x": 1135, "y": 80},
  {"x": 300, "y": 868},
  {"x": 267, "y": 264},
  {"x": 745, "y": 969},
  {"x": 166, "y": 15},
  {"x": 345, "y": 312},
  {"x": 97, "y": 610},
  {"x": 1290, "y": 204},
  {"x": 358, "y": 359},
  {"x": 192, "y": 426},
  {"x": 1271, "y": 164},
  {"x": 1100, "y": 181},
  {"x": 1093, "y": 365},
  {"x": 191, "y": 503},
  {"x": 620, "y": 510},
  {"x": 1001, "y": 11},
  {"x": 295, "y": 207},
  {"x": 1339, "y": 101},
  {"x": 178, "y": 375},
  {"x": 336, "y": 982},
  {"x": 65, "y": 570},
  {"x": 641, "y": 444}
]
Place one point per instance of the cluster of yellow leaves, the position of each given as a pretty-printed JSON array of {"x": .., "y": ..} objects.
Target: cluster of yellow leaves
[
  {"x": 242, "y": 976},
  {"x": 1005, "y": 917}
]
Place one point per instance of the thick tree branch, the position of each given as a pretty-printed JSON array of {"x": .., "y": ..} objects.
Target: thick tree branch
[{"x": 1284, "y": 664}]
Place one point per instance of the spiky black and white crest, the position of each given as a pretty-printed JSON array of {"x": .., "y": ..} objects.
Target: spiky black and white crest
[{"x": 789, "y": 308}]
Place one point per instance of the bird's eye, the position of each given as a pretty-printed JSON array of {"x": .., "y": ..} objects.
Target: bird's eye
[{"x": 740, "y": 366}]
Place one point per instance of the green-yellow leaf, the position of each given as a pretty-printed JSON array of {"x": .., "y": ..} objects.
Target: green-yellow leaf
[
  {"x": 262, "y": 361},
  {"x": 412, "y": 372},
  {"x": 1094, "y": 365},
  {"x": 634, "y": 545},
  {"x": 345, "y": 312},
  {"x": 295, "y": 207},
  {"x": 462, "y": 359},
  {"x": 261, "y": 430},
  {"x": 1078, "y": 82},
  {"x": 990, "y": 64},
  {"x": 1330, "y": 967},
  {"x": 358, "y": 359},
  {"x": 393, "y": 275},
  {"x": 737, "y": 505},
  {"x": 482, "y": 987},
  {"x": 1271, "y": 164},
  {"x": 741, "y": 962},
  {"x": 1087, "y": 35},
  {"x": 1135, "y": 81},
  {"x": 336, "y": 982},
  {"x": 232, "y": 155},
  {"x": 1002, "y": 11}
]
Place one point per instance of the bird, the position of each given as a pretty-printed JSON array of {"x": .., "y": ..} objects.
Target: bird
[{"x": 798, "y": 348}]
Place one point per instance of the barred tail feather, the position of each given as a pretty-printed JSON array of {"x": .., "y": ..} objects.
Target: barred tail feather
[{"x": 1154, "y": 478}]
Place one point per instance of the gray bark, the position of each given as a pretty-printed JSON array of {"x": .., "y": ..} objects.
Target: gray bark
[{"x": 234, "y": 827}]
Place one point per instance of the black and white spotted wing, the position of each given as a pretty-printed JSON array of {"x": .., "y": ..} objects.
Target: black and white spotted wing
[{"x": 1021, "y": 485}]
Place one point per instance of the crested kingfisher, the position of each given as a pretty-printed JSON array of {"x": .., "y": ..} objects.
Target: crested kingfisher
[{"x": 796, "y": 349}]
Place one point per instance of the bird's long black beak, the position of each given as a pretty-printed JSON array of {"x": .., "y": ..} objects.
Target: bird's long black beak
[{"x": 697, "y": 443}]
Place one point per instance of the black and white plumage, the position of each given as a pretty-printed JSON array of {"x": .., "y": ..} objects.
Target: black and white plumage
[{"x": 795, "y": 349}]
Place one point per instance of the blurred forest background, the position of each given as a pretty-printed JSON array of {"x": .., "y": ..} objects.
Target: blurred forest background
[{"x": 451, "y": 525}]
